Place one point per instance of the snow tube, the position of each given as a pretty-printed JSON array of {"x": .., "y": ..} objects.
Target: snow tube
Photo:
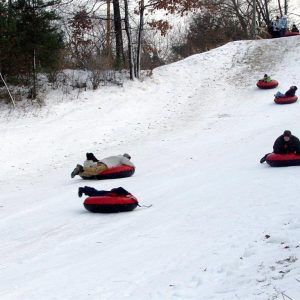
[
  {"x": 110, "y": 204},
  {"x": 267, "y": 85},
  {"x": 291, "y": 34},
  {"x": 286, "y": 100},
  {"x": 283, "y": 160},
  {"x": 112, "y": 173}
]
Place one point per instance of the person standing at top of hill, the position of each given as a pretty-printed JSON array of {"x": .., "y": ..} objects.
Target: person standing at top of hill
[
  {"x": 282, "y": 25},
  {"x": 289, "y": 93},
  {"x": 92, "y": 166},
  {"x": 275, "y": 28}
]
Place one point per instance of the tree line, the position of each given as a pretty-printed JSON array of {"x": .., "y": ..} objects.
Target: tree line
[{"x": 47, "y": 36}]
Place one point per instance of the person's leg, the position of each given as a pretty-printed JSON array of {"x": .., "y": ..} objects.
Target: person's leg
[
  {"x": 89, "y": 191},
  {"x": 282, "y": 32},
  {"x": 93, "y": 171},
  {"x": 263, "y": 159},
  {"x": 76, "y": 171},
  {"x": 120, "y": 191},
  {"x": 279, "y": 95}
]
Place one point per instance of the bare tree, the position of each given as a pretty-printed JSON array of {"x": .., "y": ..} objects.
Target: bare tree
[
  {"x": 120, "y": 57},
  {"x": 129, "y": 40}
]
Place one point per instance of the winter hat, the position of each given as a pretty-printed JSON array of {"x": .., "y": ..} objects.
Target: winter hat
[
  {"x": 287, "y": 133},
  {"x": 91, "y": 156},
  {"x": 127, "y": 155}
]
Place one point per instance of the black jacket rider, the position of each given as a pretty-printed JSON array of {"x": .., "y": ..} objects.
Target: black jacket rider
[{"x": 283, "y": 147}]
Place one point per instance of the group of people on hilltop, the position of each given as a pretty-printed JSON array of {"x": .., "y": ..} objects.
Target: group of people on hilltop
[{"x": 279, "y": 27}]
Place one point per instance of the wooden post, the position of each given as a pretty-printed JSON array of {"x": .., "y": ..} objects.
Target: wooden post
[{"x": 11, "y": 97}]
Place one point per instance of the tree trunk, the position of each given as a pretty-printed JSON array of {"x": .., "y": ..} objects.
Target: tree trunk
[
  {"x": 120, "y": 58},
  {"x": 127, "y": 29},
  {"x": 140, "y": 38},
  {"x": 254, "y": 19},
  {"x": 108, "y": 33},
  {"x": 267, "y": 14},
  {"x": 279, "y": 7},
  {"x": 285, "y": 7},
  {"x": 34, "y": 89}
]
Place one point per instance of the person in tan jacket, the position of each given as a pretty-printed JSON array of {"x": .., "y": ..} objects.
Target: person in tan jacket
[{"x": 92, "y": 166}]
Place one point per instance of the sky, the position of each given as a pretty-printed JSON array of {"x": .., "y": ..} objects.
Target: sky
[{"x": 221, "y": 225}]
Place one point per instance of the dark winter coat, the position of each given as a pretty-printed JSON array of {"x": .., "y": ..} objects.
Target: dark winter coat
[
  {"x": 291, "y": 92},
  {"x": 295, "y": 29},
  {"x": 89, "y": 191},
  {"x": 283, "y": 147}
]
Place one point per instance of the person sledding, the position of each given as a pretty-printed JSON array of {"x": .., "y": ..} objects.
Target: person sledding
[
  {"x": 289, "y": 93},
  {"x": 285, "y": 144},
  {"x": 267, "y": 82},
  {"x": 92, "y": 166},
  {"x": 266, "y": 78},
  {"x": 91, "y": 192}
]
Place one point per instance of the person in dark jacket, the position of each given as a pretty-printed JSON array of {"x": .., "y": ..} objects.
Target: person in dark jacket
[
  {"x": 89, "y": 191},
  {"x": 274, "y": 29},
  {"x": 289, "y": 93},
  {"x": 284, "y": 144}
]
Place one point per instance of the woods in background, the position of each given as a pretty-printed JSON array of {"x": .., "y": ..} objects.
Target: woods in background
[{"x": 45, "y": 37}]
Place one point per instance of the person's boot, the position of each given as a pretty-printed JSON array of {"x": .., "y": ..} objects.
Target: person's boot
[
  {"x": 263, "y": 159},
  {"x": 80, "y": 192},
  {"x": 76, "y": 171}
]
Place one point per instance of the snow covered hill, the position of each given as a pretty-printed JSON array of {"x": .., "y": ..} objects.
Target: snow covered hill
[{"x": 222, "y": 226}]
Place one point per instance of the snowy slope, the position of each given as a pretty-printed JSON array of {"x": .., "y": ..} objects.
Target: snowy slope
[{"x": 196, "y": 131}]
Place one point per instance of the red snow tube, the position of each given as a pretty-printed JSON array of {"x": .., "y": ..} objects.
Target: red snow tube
[
  {"x": 286, "y": 100},
  {"x": 112, "y": 173},
  {"x": 267, "y": 85},
  {"x": 110, "y": 204},
  {"x": 291, "y": 34},
  {"x": 283, "y": 160}
]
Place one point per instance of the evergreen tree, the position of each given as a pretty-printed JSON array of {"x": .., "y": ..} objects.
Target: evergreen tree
[{"x": 32, "y": 41}]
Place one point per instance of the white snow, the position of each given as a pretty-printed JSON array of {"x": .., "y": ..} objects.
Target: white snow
[{"x": 222, "y": 226}]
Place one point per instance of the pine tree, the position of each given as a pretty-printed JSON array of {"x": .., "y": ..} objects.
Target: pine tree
[{"x": 32, "y": 41}]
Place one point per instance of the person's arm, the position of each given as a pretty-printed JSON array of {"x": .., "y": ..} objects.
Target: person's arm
[
  {"x": 277, "y": 146},
  {"x": 89, "y": 164},
  {"x": 297, "y": 145}
]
